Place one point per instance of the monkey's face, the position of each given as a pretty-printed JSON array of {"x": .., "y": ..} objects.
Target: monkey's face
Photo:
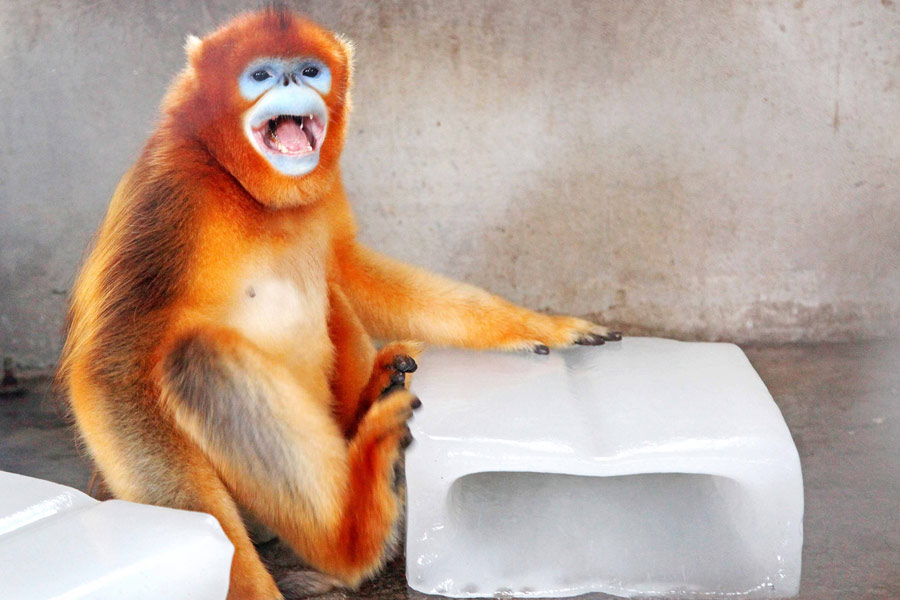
[
  {"x": 267, "y": 95},
  {"x": 288, "y": 121}
]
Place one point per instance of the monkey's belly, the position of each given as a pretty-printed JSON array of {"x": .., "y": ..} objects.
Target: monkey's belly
[{"x": 283, "y": 318}]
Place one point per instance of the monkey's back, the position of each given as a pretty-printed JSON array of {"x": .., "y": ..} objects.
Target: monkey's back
[{"x": 121, "y": 307}]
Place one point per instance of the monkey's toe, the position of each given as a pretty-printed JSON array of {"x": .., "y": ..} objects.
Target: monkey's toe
[
  {"x": 404, "y": 363},
  {"x": 392, "y": 387},
  {"x": 400, "y": 365},
  {"x": 407, "y": 439}
]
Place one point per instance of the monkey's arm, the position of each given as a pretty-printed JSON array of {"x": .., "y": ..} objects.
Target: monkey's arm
[{"x": 399, "y": 301}]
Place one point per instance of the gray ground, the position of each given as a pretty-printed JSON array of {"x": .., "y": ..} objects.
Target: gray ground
[{"x": 841, "y": 401}]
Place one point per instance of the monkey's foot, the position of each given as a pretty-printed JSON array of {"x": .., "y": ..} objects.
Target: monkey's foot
[
  {"x": 389, "y": 373},
  {"x": 385, "y": 421},
  {"x": 392, "y": 365},
  {"x": 398, "y": 368}
]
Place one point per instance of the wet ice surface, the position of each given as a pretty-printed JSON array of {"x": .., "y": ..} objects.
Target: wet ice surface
[
  {"x": 56, "y": 542},
  {"x": 645, "y": 467}
]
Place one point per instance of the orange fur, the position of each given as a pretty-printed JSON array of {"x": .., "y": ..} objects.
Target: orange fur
[{"x": 218, "y": 354}]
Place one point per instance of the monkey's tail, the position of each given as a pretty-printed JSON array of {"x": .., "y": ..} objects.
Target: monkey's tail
[
  {"x": 294, "y": 578},
  {"x": 304, "y": 584}
]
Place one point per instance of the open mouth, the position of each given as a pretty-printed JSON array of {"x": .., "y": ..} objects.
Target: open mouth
[{"x": 290, "y": 135}]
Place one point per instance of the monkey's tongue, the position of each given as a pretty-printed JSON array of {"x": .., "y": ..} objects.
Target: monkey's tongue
[{"x": 291, "y": 136}]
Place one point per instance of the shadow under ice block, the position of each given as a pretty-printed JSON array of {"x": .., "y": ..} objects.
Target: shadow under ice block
[
  {"x": 646, "y": 467},
  {"x": 56, "y": 542}
]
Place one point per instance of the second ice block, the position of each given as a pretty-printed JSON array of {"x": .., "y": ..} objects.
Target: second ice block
[{"x": 646, "y": 467}]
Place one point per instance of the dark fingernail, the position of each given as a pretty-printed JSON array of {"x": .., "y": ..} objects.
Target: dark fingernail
[
  {"x": 407, "y": 439},
  {"x": 591, "y": 339},
  {"x": 416, "y": 403},
  {"x": 541, "y": 349},
  {"x": 614, "y": 336},
  {"x": 398, "y": 378}
]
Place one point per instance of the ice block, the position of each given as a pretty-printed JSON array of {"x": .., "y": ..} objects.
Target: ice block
[
  {"x": 647, "y": 467},
  {"x": 56, "y": 542}
]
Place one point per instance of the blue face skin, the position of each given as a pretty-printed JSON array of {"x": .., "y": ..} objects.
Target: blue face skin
[
  {"x": 265, "y": 73},
  {"x": 286, "y": 87}
]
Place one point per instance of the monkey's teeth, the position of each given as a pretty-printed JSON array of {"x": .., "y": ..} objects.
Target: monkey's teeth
[{"x": 291, "y": 146}]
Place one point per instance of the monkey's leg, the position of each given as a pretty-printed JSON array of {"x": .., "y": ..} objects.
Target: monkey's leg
[
  {"x": 352, "y": 540},
  {"x": 282, "y": 454},
  {"x": 145, "y": 458},
  {"x": 361, "y": 374},
  {"x": 395, "y": 300}
]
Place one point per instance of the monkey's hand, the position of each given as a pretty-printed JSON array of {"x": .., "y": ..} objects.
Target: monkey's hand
[{"x": 543, "y": 332}]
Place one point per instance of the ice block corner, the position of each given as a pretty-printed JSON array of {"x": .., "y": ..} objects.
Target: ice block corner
[{"x": 56, "y": 542}]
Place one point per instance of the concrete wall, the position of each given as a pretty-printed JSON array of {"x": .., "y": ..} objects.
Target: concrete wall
[{"x": 715, "y": 170}]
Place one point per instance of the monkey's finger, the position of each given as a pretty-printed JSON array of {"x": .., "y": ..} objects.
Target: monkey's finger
[
  {"x": 591, "y": 339},
  {"x": 541, "y": 349},
  {"x": 613, "y": 336}
]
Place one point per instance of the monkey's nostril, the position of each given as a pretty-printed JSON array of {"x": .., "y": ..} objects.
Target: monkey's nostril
[{"x": 286, "y": 80}]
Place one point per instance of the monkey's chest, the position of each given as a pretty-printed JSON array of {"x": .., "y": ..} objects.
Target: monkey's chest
[{"x": 284, "y": 315}]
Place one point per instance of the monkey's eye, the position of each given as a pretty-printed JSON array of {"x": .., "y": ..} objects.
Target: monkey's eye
[
  {"x": 310, "y": 71},
  {"x": 261, "y": 75}
]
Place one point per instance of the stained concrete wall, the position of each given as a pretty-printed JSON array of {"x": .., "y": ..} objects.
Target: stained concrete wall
[{"x": 714, "y": 170}]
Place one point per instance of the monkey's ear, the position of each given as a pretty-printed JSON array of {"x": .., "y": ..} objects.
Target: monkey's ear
[
  {"x": 192, "y": 46},
  {"x": 348, "y": 47}
]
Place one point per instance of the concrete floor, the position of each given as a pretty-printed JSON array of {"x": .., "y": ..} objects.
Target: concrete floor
[{"x": 841, "y": 401}]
